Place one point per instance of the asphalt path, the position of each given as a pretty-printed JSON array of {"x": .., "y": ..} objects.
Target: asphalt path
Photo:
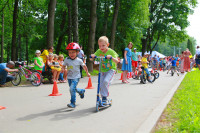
[{"x": 29, "y": 109}]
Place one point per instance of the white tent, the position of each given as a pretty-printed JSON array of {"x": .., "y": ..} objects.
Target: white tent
[{"x": 153, "y": 54}]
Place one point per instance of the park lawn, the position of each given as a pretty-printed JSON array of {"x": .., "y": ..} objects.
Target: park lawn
[{"x": 183, "y": 112}]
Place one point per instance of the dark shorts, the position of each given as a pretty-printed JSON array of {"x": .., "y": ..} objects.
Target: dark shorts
[{"x": 198, "y": 61}]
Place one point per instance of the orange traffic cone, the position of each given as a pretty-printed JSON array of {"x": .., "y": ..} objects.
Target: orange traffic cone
[
  {"x": 130, "y": 74},
  {"x": 121, "y": 76},
  {"x": 2, "y": 107},
  {"x": 89, "y": 84},
  {"x": 160, "y": 69},
  {"x": 55, "y": 90},
  {"x": 127, "y": 75}
]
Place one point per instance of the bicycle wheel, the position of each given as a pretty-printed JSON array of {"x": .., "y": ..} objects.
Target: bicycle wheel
[
  {"x": 156, "y": 75},
  {"x": 152, "y": 78},
  {"x": 17, "y": 78},
  {"x": 143, "y": 79},
  {"x": 36, "y": 78}
]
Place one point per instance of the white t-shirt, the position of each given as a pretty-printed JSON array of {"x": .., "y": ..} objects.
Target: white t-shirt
[
  {"x": 73, "y": 67},
  {"x": 198, "y": 51}
]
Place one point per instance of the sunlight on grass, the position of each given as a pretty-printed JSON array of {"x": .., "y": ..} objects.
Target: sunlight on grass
[{"x": 183, "y": 112}]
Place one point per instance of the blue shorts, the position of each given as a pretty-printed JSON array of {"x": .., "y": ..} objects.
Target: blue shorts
[{"x": 198, "y": 61}]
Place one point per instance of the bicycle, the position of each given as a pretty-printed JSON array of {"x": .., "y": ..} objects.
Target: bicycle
[
  {"x": 33, "y": 76},
  {"x": 144, "y": 77},
  {"x": 155, "y": 72}
]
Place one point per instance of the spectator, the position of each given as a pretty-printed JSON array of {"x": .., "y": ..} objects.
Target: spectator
[
  {"x": 45, "y": 56},
  {"x": 182, "y": 62},
  {"x": 134, "y": 60},
  {"x": 186, "y": 66},
  {"x": 5, "y": 68},
  {"x": 198, "y": 57},
  {"x": 38, "y": 61},
  {"x": 63, "y": 73},
  {"x": 126, "y": 65}
]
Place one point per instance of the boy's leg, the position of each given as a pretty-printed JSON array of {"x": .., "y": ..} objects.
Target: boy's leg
[
  {"x": 72, "y": 84},
  {"x": 106, "y": 80}
]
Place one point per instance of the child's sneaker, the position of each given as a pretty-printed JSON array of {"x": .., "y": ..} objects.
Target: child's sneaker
[
  {"x": 71, "y": 105},
  {"x": 104, "y": 100},
  {"x": 82, "y": 94}
]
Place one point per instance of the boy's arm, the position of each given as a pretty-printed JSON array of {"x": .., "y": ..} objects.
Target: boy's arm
[{"x": 86, "y": 70}]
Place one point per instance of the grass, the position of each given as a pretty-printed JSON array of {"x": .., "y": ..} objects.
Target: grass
[{"x": 183, "y": 112}]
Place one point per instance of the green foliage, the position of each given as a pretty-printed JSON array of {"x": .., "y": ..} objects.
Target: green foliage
[{"x": 183, "y": 110}]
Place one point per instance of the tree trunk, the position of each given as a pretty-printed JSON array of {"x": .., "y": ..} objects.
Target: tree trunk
[
  {"x": 19, "y": 46},
  {"x": 8, "y": 52},
  {"x": 13, "y": 49},
  {"x": 50, "y": 23},
  {"x": 144, "y": 45},
  {"x": 62, "y": 25},
  {"x": 69, "y": 30},
  {"x": 75, "y": 20},
  {"x": 2, "y": 37},
  {"x": 114, "y": 24},
  {"x": 91, "y": 40},
  {"x": 27, "y": 59},
  {"x": 106, "y": 14}
]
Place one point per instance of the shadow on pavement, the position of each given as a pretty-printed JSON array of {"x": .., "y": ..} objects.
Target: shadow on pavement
[
  {"x": 60, "y": 114},
  {"x": 70, "y": 113}
]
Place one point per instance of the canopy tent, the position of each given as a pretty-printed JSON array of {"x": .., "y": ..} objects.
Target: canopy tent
[{"x": 154, "y": 53}]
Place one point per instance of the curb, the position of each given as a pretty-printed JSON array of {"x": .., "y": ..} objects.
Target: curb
[{"x": 149, "y": 124}]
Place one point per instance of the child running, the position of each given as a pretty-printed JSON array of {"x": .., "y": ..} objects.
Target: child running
[
  {"x": 73, "y": 64},
  {"x": 108, "y": 67}
]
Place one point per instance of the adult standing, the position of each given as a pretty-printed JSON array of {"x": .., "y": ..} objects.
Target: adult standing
[
  {"x": 198, "y": 57},
  {"x": 126, "y": 64},
  {"x": 186, "y": 66},
  {"x": 134, "y": 60},
  {"x": 182, "y": 62},
  {"x": 81, "y": 56},
  {"x": 5, "y": 68}
]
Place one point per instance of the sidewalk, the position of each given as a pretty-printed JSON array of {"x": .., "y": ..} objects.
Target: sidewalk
[{"x": 29, "y": 109}]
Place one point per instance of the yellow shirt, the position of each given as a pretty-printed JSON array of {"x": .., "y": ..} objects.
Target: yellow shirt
[
  {"x": 144, "y": 64},
  {"x": 44, "y": 55}
]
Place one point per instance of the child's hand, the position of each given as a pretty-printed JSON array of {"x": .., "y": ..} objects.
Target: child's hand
[
  {"x": 93, "y": 55},
  {"x": 109, "y": 56},
  {"x": 88, "y": 74}
]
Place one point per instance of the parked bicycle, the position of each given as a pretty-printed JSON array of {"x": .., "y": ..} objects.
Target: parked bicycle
[{"x": 33, "y": 76}]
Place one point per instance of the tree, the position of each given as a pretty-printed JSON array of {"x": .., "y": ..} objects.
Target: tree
[
  {"x": 114, "y": 24},
  {"x": 50, "y": 23},
  {"x": 91, "y": 40},
  {"x": 69, "y": 30},
  {"x": 167, "y": 19},
  {"x": 13, "y": 49},
  {"x": 75, "y": 20},
  {"x": 2, "y": 37}
]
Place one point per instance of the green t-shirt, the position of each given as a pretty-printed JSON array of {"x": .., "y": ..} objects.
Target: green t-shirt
[
  {"x": 135, "y": 56},
  {"x": 107, "y": 64},
  {"x": 39, "y": 61}
]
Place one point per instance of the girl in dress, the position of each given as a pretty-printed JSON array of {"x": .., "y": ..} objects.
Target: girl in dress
[{"x": 187, "y": 60}]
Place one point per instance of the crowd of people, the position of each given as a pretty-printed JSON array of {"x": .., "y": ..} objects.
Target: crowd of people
[
  {"x": 180, "y": 63},
  {"x": 70, "y": 69}
]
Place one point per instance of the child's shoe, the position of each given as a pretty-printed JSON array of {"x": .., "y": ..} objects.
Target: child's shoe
[
  {"x": 104, "y": 100},
  {"x": 82, "y": 94},
  {"x": 177, "y": 74},
  {"x": 71, "y": 105}
]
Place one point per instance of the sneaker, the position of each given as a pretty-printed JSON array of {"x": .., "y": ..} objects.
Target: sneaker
[
  {"x": 104, "y": 100},
  {"x": 177, "y": 74},
  {"x": 71, "y": 105},
  {"x": 82, "y": 94}
]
